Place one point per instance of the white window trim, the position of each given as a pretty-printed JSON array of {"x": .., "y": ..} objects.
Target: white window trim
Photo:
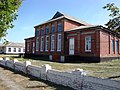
[
  {"x": 47, "y": 41},
  {"x": 52, "y": 42},
  {"x": 86, "y": 43},
  {"x": 41, "y": 43},
  {"x": 58, "y": 44}
]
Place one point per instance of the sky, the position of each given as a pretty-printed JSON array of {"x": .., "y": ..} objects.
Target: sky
[{"x": 34, "y": 12}]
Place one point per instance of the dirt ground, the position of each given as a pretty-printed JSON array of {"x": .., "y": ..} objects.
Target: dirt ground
[{"x": 10, "y": 80}]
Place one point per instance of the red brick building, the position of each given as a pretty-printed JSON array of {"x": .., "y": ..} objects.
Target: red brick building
[{"x": 64, "y": 38}]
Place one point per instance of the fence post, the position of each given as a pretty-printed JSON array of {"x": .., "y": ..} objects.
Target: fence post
[{"x": 44, "y": 70}]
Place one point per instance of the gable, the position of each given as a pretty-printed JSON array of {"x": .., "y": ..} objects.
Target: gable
[{"x": 58, "y": 14}]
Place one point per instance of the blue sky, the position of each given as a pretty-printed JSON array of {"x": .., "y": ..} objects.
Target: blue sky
[{"x": 34, "y": 12}]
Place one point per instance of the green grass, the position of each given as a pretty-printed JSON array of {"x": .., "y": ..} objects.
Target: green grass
[{"x": 109, "y": 69}]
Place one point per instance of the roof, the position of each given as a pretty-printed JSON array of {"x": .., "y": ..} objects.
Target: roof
[
  {"x": 60, "y": 15},
  {"x": 14, "y": 44},
  {"x": 82, "y": 27},
  {"x": 99, "y": 27},
  {"x": 29, "y": 38}
]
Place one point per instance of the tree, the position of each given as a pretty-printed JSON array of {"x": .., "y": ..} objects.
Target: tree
[
  {"x": 114, "y": 22},
  {"x": 8, "y": 10}
]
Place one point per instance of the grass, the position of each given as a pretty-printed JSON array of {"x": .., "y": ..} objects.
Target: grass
[{"x": 109, "y": 70}]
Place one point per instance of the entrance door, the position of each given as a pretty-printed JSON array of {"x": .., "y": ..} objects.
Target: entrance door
[{"x": 71, "y": 46}]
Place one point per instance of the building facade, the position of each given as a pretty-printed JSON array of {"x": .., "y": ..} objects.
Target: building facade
[
  {"x": 12, "y": 48},
  {"x": 64, "y": 38}
]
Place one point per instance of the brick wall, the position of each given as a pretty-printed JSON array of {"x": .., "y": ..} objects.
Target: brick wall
[
  {"x": 70, "y": 25},
  {"x": 106, "y": 45},
  {"x": 79, "y": 37}
]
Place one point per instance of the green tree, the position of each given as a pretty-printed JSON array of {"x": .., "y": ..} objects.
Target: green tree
[
  {"x": 8, "y": 10},
  {"x": 114, "y": 22}
]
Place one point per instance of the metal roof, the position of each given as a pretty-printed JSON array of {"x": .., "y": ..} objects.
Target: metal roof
[
  {"x": 60, "y": 15},
  {"x": 13, "y": 44}
]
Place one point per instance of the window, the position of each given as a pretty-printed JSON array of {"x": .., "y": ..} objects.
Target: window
[
  {"x": 59, "y": 27},
  {"x": 42, "y": 44},
  {"x": 47, "y": 42},
  {"x": 42, "y": 32},
  {"x": 37, "y": 44},
  {"x": 117, "y": 46},
  {"x": 113, "y": 45},
  {"x": 23, "y": 50},
  {"x": 19, "y": 49},
  {"x": 37, "y": 33},
  {"x": 88, "y": 43},
  {"x": 53, "y": 29},
  {"x": 59, "y": 42},
  {"x": 47, "y": 30},
  {"x": 14, "y": 50},
  {"x": 28, "y": 47},
  {"x": 9, "y": 49},
  {"x": 52, "y": 43}
]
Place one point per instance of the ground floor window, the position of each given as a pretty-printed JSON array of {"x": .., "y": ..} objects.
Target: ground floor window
[
  {"x": 52, "y": 43},
  {"x": 47, "y": 42},
  {"x": 14, "y": 50},
  {"x": 42, "y": 44},
  {"x": 19, "y": 49},
  {"x": 88, "y": 44},
  {"x": 117, "y": 46},
  {"x": 113, "y": 45},
  {"x": 59, "y": 42},
  {"x": 9, "y": 49},
  {"x": 37, "y": 44}
]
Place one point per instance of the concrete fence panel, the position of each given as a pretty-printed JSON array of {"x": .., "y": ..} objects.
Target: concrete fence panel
[
  {"x": 2, "y": 62},
  {"x": 94, "y": 83},
  {"x": 10, "y": 64},
  {"x": 34, "y": 71},
  {"x": 20, "y": 67}
]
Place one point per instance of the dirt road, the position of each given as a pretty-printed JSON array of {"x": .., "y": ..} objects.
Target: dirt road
[{"x": 12, "y": 81}]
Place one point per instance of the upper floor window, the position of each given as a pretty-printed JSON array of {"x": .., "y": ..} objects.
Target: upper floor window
[
  {"x": 37, "y": 33},
  {"x": 42, "y": 44},
  {"x": 14, "y": 50},
  {"x": 59, "y": 42},
  {"x": 42, "y": 31},
  {"x": 19, "y": 49},
  {"x": 117, "y": 46},
  {"x": 47, "y": 42},
  {"x": 52, "y": 43},
  {"x": 9, "y": 49},
  {"x": 47, "y": 30},
  {"x": 113, "y": 45},
  {"x": 88, "y": 44},
  {"x": 59, "y": 27},
  {"x": 53, "y": 29}
]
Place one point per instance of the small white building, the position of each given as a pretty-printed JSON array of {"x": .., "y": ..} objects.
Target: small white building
[{"x": 12, "y": 48}]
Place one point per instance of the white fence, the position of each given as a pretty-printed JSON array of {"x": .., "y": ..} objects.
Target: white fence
[{"x": 74, "y": 79}]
